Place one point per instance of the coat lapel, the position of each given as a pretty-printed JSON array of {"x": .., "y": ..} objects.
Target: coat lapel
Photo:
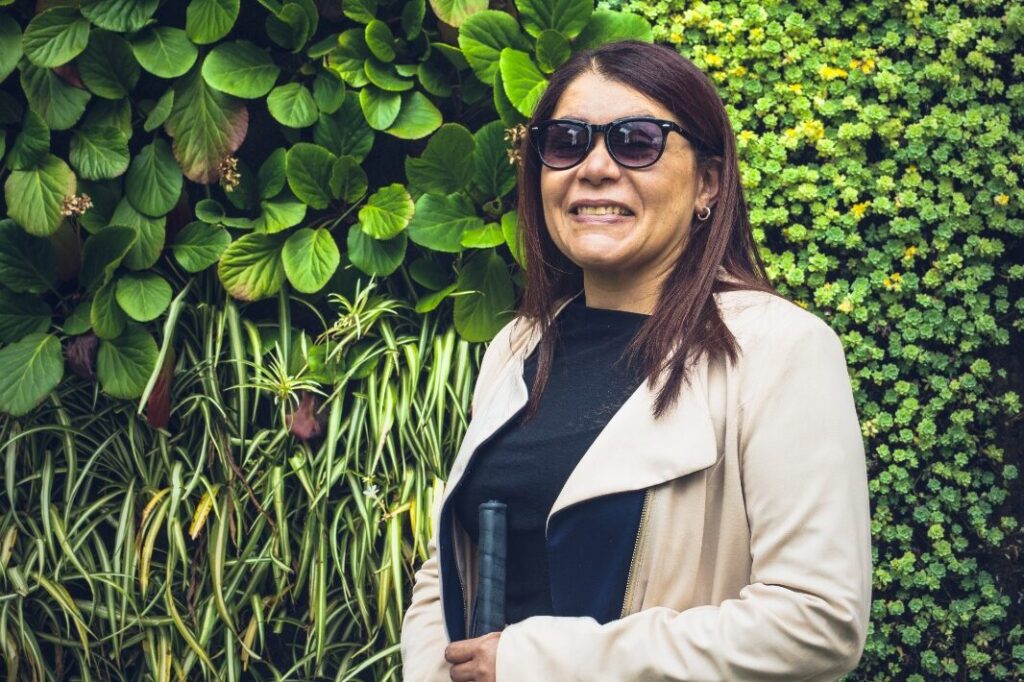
[{"x": 634, "y": 450}]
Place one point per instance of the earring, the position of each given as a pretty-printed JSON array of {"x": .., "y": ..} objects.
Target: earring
[{"x": 706, "y": 214}]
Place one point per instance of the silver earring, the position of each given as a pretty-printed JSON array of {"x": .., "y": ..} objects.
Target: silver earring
[{"x": 706, "y": 214}]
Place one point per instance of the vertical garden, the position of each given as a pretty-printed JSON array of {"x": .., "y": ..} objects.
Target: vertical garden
[{"x": 250, "y": 250}]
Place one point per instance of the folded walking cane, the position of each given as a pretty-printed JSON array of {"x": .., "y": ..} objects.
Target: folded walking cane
[{"x": 489, "y": 612}]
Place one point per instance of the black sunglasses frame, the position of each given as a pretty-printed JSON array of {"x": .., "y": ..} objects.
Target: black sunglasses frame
[{"x": 593, "y": 128}]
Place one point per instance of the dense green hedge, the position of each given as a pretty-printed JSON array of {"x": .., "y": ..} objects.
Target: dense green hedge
[{"x": 186, "y": 180}]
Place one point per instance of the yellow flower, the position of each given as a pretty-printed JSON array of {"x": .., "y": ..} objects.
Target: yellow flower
[
  {"x": 738, "y": 71},
  {"x": 831, "y": 73},
  {"x": 868, "y": 66},
  {"x": 910, "y": 252},
  {"x": 846, "y": 306},
  {"x": 798, "y": 88},
  {"x": 1002, "y": 199},
  {"x": 713, "y": 60},
  {"x": 676, "y": 38},
  {"x": 802, "y": 304},
  {"x": 858, "y": 210},
  {"x": 893, "y": 281},
  {"x": 813, "y": 129}
]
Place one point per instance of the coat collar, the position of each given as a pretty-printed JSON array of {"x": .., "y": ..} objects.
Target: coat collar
[{"x": 632, "y": 452}]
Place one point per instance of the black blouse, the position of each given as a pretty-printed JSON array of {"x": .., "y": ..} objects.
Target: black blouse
[{"x": 526, "y": 465}]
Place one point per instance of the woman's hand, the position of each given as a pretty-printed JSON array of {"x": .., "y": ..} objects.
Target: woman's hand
[{"x": 473, "y": 660}]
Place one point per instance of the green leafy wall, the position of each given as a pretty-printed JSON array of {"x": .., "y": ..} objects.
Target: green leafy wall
[{"x": 221, "y": 437}]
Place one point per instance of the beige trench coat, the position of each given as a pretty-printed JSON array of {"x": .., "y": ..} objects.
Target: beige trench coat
[{"x": 754, "y": 559}]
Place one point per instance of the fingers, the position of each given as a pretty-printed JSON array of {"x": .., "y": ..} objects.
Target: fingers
[{"x": 464, "y": 672}]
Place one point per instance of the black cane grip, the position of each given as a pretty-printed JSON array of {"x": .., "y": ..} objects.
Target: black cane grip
[{"x": 489, "y": 612}]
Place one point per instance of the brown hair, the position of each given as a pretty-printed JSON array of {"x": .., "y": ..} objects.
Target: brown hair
[{"x": 685, "y": 323}]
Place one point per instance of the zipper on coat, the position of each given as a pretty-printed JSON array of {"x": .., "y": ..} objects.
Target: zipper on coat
[{"x": 638, "y": 548}]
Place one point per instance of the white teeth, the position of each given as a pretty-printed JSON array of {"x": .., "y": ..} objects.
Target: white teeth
[{"x": 601, "y": 210}]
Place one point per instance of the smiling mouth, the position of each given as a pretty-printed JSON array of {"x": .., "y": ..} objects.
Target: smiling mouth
[{"x": 601, "y": 210}]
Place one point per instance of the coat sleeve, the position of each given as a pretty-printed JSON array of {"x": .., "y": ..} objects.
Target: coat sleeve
[
  {"x": 804, "y": 614},
  {"x": 424, "y": 637}
]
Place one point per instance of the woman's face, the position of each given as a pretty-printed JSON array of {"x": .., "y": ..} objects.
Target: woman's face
[{"x": 659, "y": 200}]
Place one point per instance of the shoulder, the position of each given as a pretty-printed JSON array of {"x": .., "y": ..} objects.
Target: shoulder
[{"x": 772, "y": 329}]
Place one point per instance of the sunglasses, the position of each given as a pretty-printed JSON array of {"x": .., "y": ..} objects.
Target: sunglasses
[{"x": 634, "y": 142}]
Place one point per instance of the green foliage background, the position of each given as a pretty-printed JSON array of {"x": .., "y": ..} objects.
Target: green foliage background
[{"x": 221, "y": 436}]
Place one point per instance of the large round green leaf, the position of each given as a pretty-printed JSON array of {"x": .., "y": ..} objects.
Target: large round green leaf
[
  {"x": 26, "y": 262},
  {"x": 346, "y": 131},
  {"x": 164, "y": 51},
  {"x": 103, "y": 252},
  {"x": 105, "y": 315},
  {"x": 348, "y": 180},
  {"x": 153, "y": 183},
  {"x": 199, "y": 245},
  {"x": 124, "y": 364},
  {"x": 440, "y": 221},
  {"x": 523, "y": 82},
  {"x": 552, "y": 50},
  {"x": 35, "y": 197},
  {"x": 455, "y": 12},
  {"x": 60, "y": 104},
  {"x": 387, "y": 212},
  {"x": 565, "y": 16},
  {"x": 509, "y": 115},
  {"x": 271, "y": 176},
  {"x": 380, "y": 107},
  {"x": 362, "y": 11},
  {"x": 328, "y": 91},
  {"x": 484, "y": 36},
  {"x": 108, "y": 67},
  {"x": 380, "y": 40},
  {"x": 309, "y": 168},
  {"x": 143, "y": 296},
  {"x": 123, "y": 16},
  {"x": 21, "y": 315},
  {"x": 280, "y": 213},
  {"x": 483, "y": 236},
  {"x": 151, "y": 234},
  {"x": 99, "y": 153},
  {"x": 55, "y": 37},
  {"x": 379, "y": 257},
  {"x": 241, "y": 68},
  {"x": 251, "y": 267},
  {"x": 292, "y": 105},
  {"x": 29, "y": 370},
  {"x": 510, "y": 230},
  {"x": 31, "y": 145},
  {"x": 608, "y": 27},
  {"x": 412, "y": 18},
  {"x": 207, "y": 21},
  {"x": 160, "y": 111},
  {"x": 206, "y": 126},
  {"x": 385, "y": 76},
  {"x": 10, "y": 46},
  {"x": 443, "y": 167},
  {"x": 493, "y": 175},
  {"x": 480, "y": 315},
  {"x": 310, "y": 257},
  {"x": 417, "y": 118},
  {"x": 291, "y": 27}
]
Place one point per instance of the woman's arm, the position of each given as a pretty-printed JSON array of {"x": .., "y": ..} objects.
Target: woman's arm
[{"x": 804, "y": 614}]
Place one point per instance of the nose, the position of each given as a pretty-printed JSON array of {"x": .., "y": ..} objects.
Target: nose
[{"x": 598, "y": 164}]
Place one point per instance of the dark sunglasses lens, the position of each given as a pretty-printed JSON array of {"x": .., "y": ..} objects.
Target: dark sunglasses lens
[
  {"x": 562, "y": 144},
  {"x": 636, "y": 143}
]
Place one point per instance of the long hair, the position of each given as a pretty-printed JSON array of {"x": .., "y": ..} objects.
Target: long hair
[{"x": 685, "y": 322}]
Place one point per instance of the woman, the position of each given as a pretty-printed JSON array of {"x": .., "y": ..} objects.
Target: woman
[{"x": 697, "y": 511}]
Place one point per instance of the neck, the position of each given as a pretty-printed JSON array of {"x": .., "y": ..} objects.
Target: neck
[{"x": 621, "y": 291}]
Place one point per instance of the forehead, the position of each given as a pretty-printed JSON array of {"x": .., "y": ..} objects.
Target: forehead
[{"x": 593, "y": 98}]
